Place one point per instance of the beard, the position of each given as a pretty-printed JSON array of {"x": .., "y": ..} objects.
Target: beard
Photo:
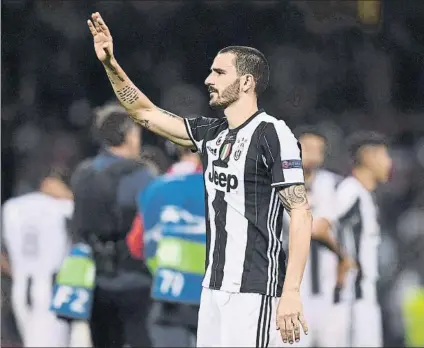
[{"x": 228, "y": 96}]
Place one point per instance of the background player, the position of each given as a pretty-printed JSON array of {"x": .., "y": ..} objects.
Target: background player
[
  {"x": 32, "y": 223},
  {"x": 248, "y": 250},
  {"x": 320, "y": 272},
  {"x": 359, "y": 232}
]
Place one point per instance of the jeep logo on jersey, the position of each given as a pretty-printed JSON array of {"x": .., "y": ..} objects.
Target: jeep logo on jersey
[{"x": 223, "y": 180}]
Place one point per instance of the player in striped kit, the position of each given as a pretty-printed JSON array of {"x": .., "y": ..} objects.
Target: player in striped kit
[
  {"x": 359, "y": 232},
  {"x": 253, "y": 173},
  {"x": 320, "y": 275}
]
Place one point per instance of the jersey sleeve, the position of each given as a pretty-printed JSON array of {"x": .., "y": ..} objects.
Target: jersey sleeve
[
  {"x": 326, "y": 206},
  {"x": 347, "y": 197},
  {"x": 281, "y": 154},
  {"x": 199, "y": 128}
]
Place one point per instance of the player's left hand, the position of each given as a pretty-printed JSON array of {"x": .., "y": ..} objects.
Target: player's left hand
[{"x": 290, "y": 317}]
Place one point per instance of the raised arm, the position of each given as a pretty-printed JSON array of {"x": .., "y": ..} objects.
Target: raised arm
[{"x": 139, "y": 106}]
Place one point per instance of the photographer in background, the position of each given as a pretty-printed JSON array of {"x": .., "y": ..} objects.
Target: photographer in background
[{"x": 105, "y": 190}]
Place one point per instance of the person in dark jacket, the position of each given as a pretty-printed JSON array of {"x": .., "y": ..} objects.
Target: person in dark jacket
[{"x": 105, "y": 190}]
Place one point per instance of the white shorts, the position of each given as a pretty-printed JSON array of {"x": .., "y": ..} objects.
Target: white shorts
[
  {"x": 352, "y": 325},
  {"x": 237, "y": 320},
  {"x": 366, "y": 327}
]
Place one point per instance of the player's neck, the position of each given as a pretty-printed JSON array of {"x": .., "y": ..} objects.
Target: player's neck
[
  {"x": 56, "y": 189},
  {"x": 365, "y": 177},
  {"x": 240, "y": 111}
]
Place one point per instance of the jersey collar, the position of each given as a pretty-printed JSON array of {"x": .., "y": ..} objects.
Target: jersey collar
[{"x": 245, "y": 123}]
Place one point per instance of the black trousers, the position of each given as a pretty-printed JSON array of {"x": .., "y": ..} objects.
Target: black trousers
[{"x": 120, "y": 318}]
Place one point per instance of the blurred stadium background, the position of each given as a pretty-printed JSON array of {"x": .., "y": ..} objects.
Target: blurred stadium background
[{"x": 345, "y": 65}]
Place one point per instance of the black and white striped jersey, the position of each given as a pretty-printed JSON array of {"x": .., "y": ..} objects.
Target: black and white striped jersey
[
  {"x": 244, "y": 168},
  {"x": 359, "y": 233},
  {"x": 319, "y": 277}
]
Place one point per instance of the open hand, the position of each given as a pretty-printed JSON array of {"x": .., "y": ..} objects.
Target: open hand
[
  {"x": 290, "y": 317},
  {"x": 103, "y": 43}
]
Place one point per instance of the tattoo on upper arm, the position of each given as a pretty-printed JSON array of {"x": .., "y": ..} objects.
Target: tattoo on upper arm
[
  {"x": 293, "y": 196},
  {"x": 128, "y": 94}
]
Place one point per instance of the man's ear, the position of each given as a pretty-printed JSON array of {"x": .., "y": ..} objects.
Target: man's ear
[{"x": 247, "y": 82}]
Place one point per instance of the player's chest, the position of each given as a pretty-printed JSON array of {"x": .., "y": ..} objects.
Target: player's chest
[
  {"x": 370, "y": 218},
  {"x": 231, "y": 162}
]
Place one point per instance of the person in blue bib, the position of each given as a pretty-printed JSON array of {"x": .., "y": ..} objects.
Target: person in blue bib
[{"x": 173, "y": 214}]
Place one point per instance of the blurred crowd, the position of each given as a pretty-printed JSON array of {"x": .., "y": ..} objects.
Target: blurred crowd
[{"x": 327, "y": 68}]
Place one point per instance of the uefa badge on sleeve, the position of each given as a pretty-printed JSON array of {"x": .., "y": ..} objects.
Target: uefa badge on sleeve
[{"x": 291, "y": 164}]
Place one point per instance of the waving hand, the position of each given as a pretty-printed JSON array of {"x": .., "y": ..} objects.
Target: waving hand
[{"x": 103, "y": 43}]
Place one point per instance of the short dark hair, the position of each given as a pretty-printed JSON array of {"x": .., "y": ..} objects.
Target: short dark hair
[
  {"x": 359, "y": 140},
  {"x": 249, "y": 60},
  {"x": 111, "y": 124},
  {"x": 309, "y": 130}
]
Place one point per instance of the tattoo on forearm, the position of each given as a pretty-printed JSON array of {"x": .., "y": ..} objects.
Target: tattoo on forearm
[
  {"x": 144, "y": 123},
  {"x": 110, "y": 77},
  {"x": 168, "y": 113},
  {"x": 113, "y": 71},
  {"x": 128, "y": 94},
  {"x": 293, "y": 196}
]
